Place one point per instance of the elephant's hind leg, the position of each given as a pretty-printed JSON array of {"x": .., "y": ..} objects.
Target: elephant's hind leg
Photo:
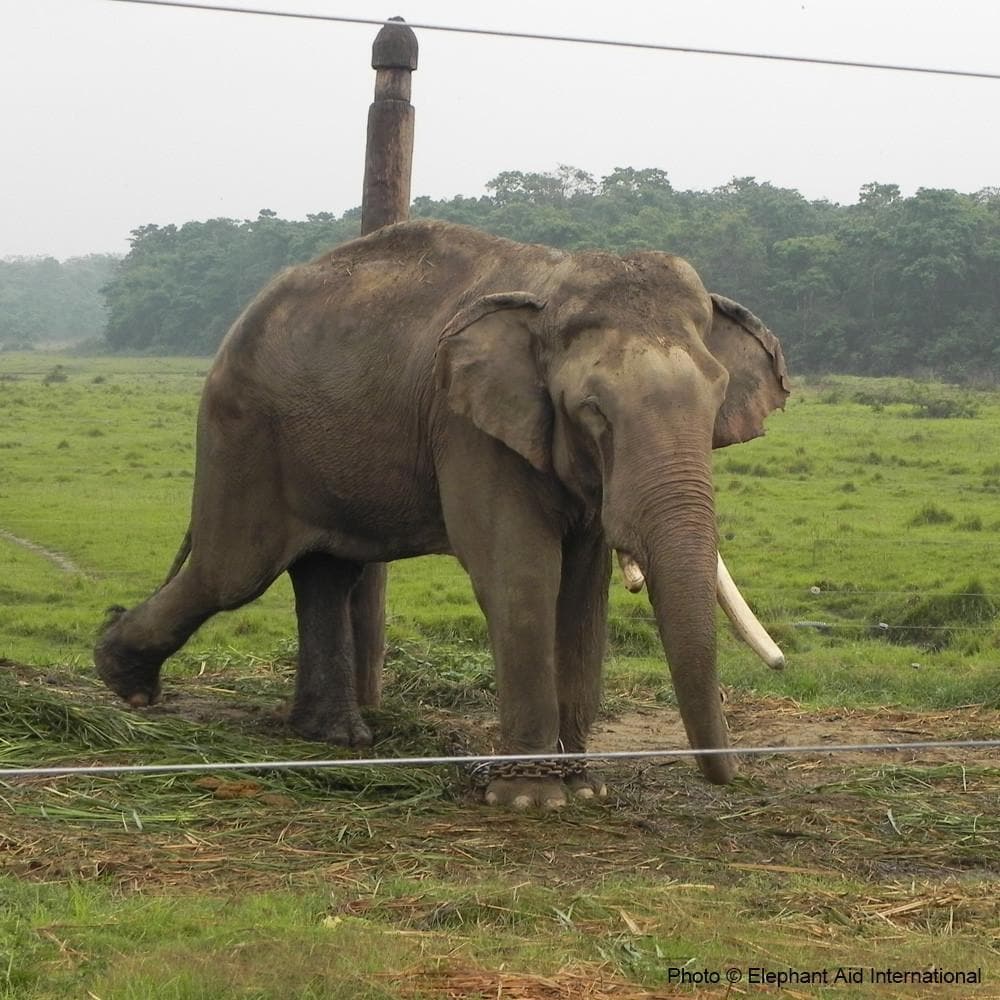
[
  {"x": 368, "y": 623},
  {"x": 219, "y": 577},
  {"x": 134, "y": 643},
  {"x": 326, "y": 702}
]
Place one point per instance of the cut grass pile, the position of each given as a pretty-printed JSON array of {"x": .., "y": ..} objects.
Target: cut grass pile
[{"x": 72, "y": 720}]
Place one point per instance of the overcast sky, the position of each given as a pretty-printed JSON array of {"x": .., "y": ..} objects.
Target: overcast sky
[{"x": 118, "y": 115}]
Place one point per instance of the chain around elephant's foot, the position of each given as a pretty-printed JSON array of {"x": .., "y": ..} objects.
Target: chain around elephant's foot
[{"x": 535, "y": 784}]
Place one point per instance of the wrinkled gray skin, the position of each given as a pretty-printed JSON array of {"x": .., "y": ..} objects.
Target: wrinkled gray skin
[{"x": 432, "y": 389}]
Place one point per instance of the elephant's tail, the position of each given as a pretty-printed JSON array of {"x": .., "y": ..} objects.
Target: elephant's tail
[{"x": 182, "y": 553}]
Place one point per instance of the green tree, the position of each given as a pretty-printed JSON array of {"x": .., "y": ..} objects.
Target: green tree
[
  {"x": 47, "y": 302},
  {"x": 890, "y": 284}
]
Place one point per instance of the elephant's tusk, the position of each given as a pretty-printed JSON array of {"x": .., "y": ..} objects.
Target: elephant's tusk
[
  {"x": 747, "y": 626},
  {"x": 634, "y": 578},
  {"x": 746, "y": 623}
]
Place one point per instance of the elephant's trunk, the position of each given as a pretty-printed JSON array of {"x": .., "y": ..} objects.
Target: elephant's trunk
[{"x": 674, "y": 521}]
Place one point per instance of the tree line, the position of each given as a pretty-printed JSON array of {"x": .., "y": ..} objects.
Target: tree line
[
  {"x": 47, "y": 302},
  {"x": 180, "y": 287},
  {"x": 888, "y": 285}
]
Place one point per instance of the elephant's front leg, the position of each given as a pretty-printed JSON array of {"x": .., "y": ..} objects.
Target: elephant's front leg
[
  {"x": 581, "y": 640},
  {"x": 518, "y": 597},
  {"x": 512, "y": 552},
  {"x": 517, "y": 586}
]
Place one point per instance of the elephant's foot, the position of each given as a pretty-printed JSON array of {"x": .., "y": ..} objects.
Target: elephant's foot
[
  {"x": 344, "y": 728},
  {"x": 541, "y": 784},
  {"x": 132, "y": 675},
  {"x": 526, "y": 793},
  {"x": 585, "y": 784}
]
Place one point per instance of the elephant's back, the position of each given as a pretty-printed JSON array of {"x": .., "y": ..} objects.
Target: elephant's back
[{"x": 380, "y": 301}]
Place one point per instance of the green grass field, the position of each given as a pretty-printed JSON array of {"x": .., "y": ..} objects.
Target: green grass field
[{"x": 865, "y": 531}]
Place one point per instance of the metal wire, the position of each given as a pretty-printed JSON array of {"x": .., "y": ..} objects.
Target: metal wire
[
  {"x": 486, "y": 759},
  {"x": 573, "y": 39}
]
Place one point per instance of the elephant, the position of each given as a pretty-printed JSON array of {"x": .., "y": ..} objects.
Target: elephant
[{"x": 431, "y": 388}]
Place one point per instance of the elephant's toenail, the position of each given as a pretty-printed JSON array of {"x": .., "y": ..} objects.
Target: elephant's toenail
[
  {"x": 521, "y": 802},
  {"x": 138, "y": 700},
  {"x": 602, "y": 792},
  {"x": 585, "y": 792},
  {"x": 555, "y": 803},
  {"x": 492, "y": 798}
]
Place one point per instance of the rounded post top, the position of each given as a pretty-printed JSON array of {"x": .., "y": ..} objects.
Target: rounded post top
[{"x": 395, "y": 47}]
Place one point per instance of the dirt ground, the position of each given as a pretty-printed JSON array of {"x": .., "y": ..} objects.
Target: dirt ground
[
  {"x": 753, "y": 722},
  {"x": 776, "y": 722}
]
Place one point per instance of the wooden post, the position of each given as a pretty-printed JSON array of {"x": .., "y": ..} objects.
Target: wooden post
[
  {"x": 389, "y": 153},
  {"x": 386, "y": 199}
]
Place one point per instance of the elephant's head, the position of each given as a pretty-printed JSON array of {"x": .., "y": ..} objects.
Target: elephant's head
[{"x": 620, "y": 379}]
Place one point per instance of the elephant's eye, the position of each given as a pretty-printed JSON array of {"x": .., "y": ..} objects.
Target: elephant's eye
[{"x": 589, "y": 406}]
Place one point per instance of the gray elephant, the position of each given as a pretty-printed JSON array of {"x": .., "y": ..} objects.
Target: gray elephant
[{"x": 433, "y": 389}]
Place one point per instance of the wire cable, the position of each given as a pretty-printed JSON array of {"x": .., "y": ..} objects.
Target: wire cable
[
  {"x": 487, "y": 759},
  {"x": 572, "y": 39}
]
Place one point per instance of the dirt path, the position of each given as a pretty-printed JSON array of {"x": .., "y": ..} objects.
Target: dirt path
[
  {"x": 57, "y": 558},
  {"x": 776, "y": 722}
]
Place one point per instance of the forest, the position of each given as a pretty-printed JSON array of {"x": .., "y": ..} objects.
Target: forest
[
  {"x": 48, "y": 303},
  {"x": 888, "y": 285}
]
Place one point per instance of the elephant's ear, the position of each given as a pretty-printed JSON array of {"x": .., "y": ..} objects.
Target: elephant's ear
[
  {"x": 758, "y": 381},
  {"x": 485, "y": 365}
]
